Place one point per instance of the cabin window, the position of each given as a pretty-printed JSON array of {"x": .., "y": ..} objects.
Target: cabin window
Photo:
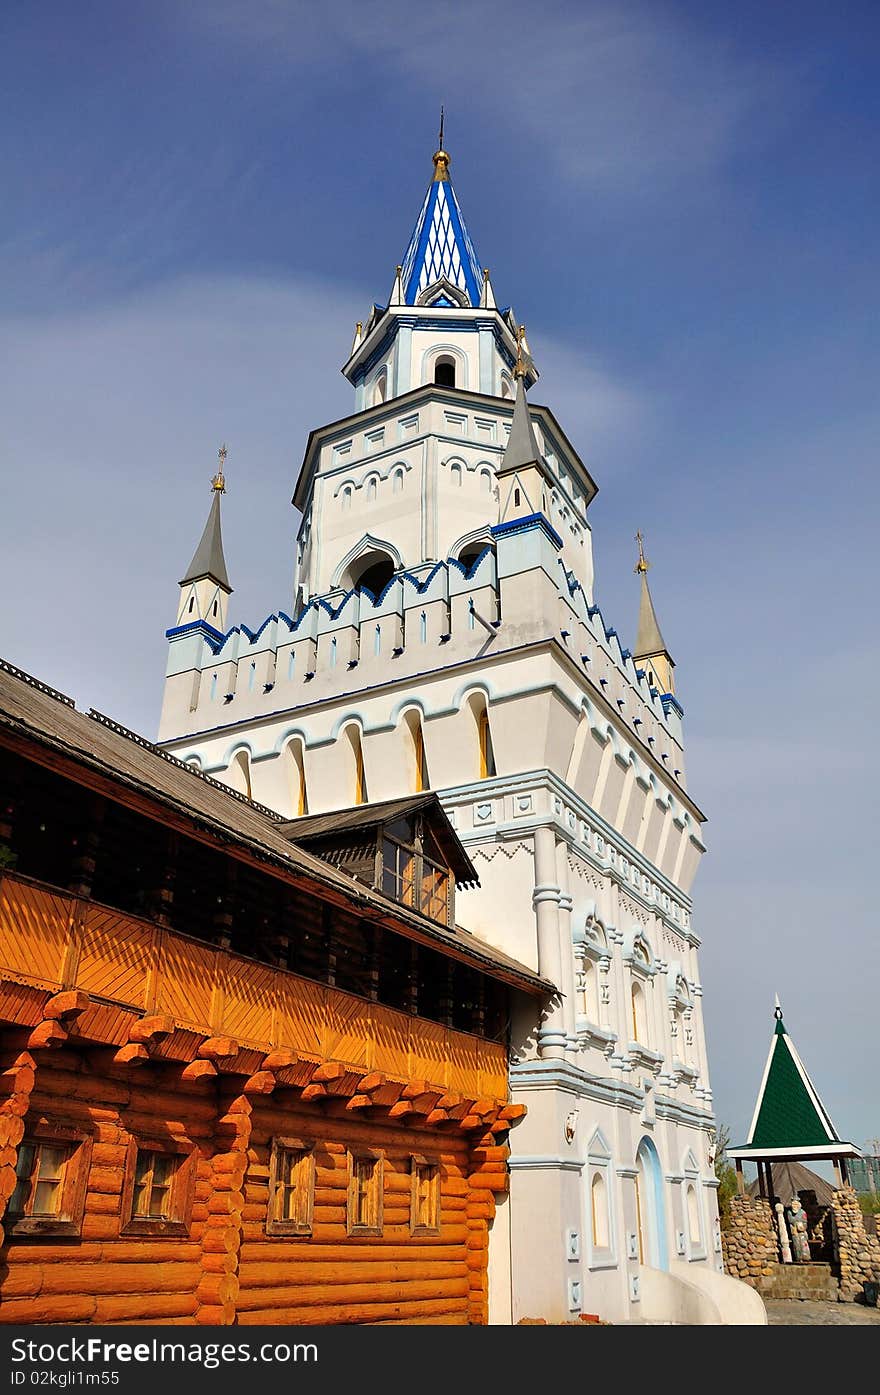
[
  {"x": 412, "y": 877},
  {"x": 157, "y": 1191},
  {"x": 425, "y": 1205},
  {"x": 364, "y": 1211},
  {"x": 51, "y": 1171},
  {"x": 291, "y": 1187}
]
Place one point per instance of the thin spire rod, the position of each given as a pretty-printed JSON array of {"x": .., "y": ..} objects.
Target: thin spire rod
[
  {"x": 440, "y": 142},
  {"x": 642, "y": 564},
  {"x": 218, "y": 483}
]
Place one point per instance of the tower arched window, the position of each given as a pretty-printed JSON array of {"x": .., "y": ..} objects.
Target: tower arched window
[
  {"x": 192, "y": 603},
  {"x": 371, "y": 491},
  {"x": 485, "y": 752},
  {"x": 420, "y": 778},
  {"x": 486, "y": 481},
  {"x": 639, "y": 1014},
  {"x": 695, "y": 1230},
  {"x": 294, "y": 756},
  {"x": 601, "y": 1231},
  {"x": 423, "y": 627},
  {"x": 359, "y": 777},
  {"x": 239, "y": 773},
  {"x": 346, "y": 498},
  {"x": 444, "y": 371},
  {"x": 455, "y": 474},
  {"x": 397, "y": 482},
  {"x": 372, "y": 571},
  {"x": 252, "y": 675},
  {"x": 380, "y": 387}
]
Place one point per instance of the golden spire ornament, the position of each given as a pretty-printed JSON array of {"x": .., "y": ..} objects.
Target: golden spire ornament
[
  {"x": 642, "y": 564},
  {"x": 519, "y": 370},
  {"x": 218, "y": 483},
  {"x": 440, "y": 157}
]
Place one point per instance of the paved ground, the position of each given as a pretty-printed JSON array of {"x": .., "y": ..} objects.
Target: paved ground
[{"x": 787, "y": 1312}]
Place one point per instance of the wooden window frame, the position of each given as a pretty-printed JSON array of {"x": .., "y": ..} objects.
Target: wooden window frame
[
  {"x": 306, "y": 1147},
  {"x": 182, "y": 1189},
  {"x": 376, "y": 1155},
  {"x": 74, "y": 1185},
  {"x": 416, "y": 1162}
]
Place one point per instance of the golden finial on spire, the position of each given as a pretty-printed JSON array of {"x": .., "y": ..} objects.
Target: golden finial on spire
[
  {"x": 440, "y": 157},
  {"x": 642, "y": 564},
  {"x": 218, "y": 483},
  {"x": 520, "y": 366}
]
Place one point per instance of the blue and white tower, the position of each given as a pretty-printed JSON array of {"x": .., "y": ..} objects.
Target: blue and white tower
[{"x": 442, "y": 632}]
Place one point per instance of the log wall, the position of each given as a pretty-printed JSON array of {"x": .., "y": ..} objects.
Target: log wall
[{"x": 213, "y": 1056}]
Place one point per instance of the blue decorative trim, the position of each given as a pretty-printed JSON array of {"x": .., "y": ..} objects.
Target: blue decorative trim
[
  {"x": 214, "y": 637},
  {"x": 668, "y": 702},
  {"x": 524, "y": 525}
]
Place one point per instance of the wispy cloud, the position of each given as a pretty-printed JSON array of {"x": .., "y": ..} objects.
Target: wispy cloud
[{"x": 617, "y": 94}]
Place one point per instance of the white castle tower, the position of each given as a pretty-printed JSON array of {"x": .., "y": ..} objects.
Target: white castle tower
[{"x": 444, "y": 634}]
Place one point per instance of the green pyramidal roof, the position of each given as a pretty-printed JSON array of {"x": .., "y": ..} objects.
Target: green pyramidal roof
[{"x": 789, "y": 1115}]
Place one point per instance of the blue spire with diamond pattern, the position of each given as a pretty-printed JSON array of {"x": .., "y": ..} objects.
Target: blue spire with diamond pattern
[{"x": 440, "y": 248}]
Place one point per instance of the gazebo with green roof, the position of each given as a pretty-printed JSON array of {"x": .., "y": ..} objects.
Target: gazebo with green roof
[{"x": 790, "y": 1121}]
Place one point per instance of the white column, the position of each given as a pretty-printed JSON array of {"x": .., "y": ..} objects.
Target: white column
[
  {"x": 566, "y": 950},
  {"x": 545, "y": 899}
]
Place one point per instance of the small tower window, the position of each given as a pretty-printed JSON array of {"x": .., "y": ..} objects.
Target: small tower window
[
  {"x": 398, "y": 482},
  {"x": 291, "y": 664},
  {"x": 333, "y": 652},
  {"x": 252, "y": 677},
  {"x": 455, "y": 474},
  {"x": 192, "y": 602},
  {"x": 213, "y": 686},
  {"x": 214, "y": 611},
  {"x": 371, "y": 491},
  {"x": 380, "y": 388},
  {"x": 486, "y": 481},
  {"x": 516, "y": 498},
  {"x": 423, "y": 628},
  {"x": 346, "y": 498},
  {"x": 377, "y": 641},
  {"x": 444, "y": 371}
]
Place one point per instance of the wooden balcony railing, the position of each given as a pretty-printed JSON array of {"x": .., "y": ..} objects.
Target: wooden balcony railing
[{"x": 49, "y": 940}]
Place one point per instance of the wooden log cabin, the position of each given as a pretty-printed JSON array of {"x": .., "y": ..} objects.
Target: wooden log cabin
[{"x": 239, "y": 1083}]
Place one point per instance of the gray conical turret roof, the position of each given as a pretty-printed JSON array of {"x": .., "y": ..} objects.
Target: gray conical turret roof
[
  {"x": 208, "y": 559},
  {"x": 522, "y": 447},
  {"x": 649, "y": 639}
]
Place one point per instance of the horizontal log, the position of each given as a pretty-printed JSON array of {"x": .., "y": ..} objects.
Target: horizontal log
[
  {"x": 305, "y": 1269},
  {"x": 23, "y": 1252},
  {"x": 100, "y": 1204},
  {"x": 218, "y": 1289},
  {"x": 220, "y": 1264},
  {"x": 67, "y": 1085},
  {"x": 99, "y": 1227},
  {"x": 55, "y": 1308},
  {"x": 215, "y": 1315},
  {"x": 267, "y": 1250},
  {"x": 109, "y": 1154},
  {"x": 109, "y": 1278},
  {"x": 115, "y": 1308},
  {"x": 351, "y": 1313},
  {"x": 105, "y": 1179},
  {"x": 317, "y": 1295}
]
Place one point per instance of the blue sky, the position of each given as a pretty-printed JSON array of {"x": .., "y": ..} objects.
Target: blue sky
[{"x": 681, "y": 202}]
